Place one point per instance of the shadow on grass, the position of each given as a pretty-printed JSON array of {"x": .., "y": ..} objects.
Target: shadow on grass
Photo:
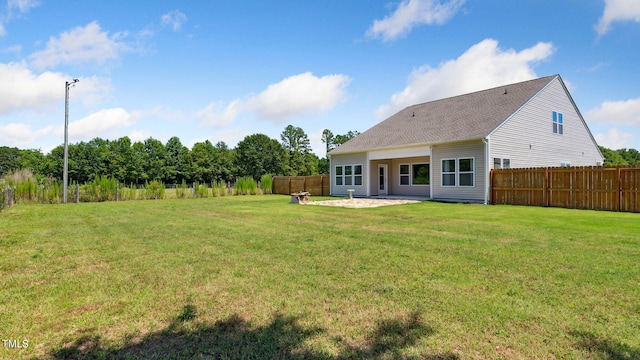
[
  {"x": 604, "y": 348},
  {"x": 234, "y": 338}
]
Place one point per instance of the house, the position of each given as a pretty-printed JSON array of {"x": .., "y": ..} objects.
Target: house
[{"x": 445, "y": 149}]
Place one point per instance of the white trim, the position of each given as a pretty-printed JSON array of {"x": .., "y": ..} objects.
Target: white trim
[
  {"x": 344, "y": 174},
  {"x": 367, "y": 174},
  {"x": 473, "y": 171},
  {"x": 454, "y": 172},
  {"x": 386, "y": 178},
  {"x": 457, "y": 172},
  {"x": 411, "y": 173},
  {"x": 487, "y": 170},
  {"x": 396, "y": 153},
  {"x": 400, "y": 174}
]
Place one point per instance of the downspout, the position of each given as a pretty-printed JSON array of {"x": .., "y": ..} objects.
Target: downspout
[
  {"x": 330, "y": 176},
  {"x": 487, "y": 170},
  {"x": 432, "y": 186},
  {"x": 368, "y": 175}
]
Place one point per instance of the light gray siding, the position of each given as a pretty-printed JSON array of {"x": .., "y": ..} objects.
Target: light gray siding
[
  {"x": 349, "y": 159},
  {"x": 527, "y": 138},
  {"x": 462, "y": 150}
]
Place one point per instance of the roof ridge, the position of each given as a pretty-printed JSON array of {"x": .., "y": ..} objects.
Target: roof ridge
[{"x": 479, "y": 91}]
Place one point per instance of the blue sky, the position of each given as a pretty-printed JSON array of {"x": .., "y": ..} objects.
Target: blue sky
[{"x": 221, "y": 70}]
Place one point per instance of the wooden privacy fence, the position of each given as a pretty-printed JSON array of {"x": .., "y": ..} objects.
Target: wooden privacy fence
[
  {"x": 596, "y": 187},
  {"x": 317, "y": 185}
]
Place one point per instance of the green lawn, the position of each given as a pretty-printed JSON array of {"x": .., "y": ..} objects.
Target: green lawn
[{"x": 256, "y": 277}]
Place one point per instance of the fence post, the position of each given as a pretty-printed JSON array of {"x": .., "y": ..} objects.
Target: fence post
[
  {"x": 77, "y": 193},
  {"x": 619, "y": 180}
]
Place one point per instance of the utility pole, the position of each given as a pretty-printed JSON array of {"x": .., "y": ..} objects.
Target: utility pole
[{"x": 65, "y": 173}]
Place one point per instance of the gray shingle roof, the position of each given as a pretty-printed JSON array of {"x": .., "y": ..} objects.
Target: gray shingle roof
[{"x": 458, "y": 118}]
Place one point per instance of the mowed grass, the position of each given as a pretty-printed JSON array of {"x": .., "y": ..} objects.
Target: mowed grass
[{"x": 256, "y": 277}]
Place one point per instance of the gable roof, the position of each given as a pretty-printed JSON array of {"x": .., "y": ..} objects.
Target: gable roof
[{"x": 463, "y": 117}]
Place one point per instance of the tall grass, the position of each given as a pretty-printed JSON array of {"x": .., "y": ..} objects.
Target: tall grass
[
  {"x": 246, "y": 186},
  {"x": 102, "y": 188},
  {"x": 200, "y": 190},
  {"x": 266, "y": 184},
  {"x": 128, "y": 193},
  {"x": 154, "y": 190},
  {"x": 182, "y": 189},
  {"x": 27, "y": 188},
  {"x": 219, "y": 188}
]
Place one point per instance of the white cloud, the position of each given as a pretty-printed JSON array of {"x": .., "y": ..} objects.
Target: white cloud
[
  {"x": 22, "y": 89},
  {"x": 483, "y": 66},
  {"x": 411, "y": 13},
  {"x": 297, "y": 95},
  {"x": 81, "y": 45},
  {"x": 175, "y": 19},
  {"x": 217, "y": 115},
  {"x": 625, "y": 112},
  {"x": 104, "y": 123},
  {"x": 138, "y": 135},
  {"x": 21, "y": 135},
  {"x": 618, "y": 10},
  {"x": 614, "y": 139}
]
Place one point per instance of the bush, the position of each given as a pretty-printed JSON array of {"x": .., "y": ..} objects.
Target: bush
[
  {"x": 266, "y": 184},
  {"x": 181, "y": 190},
  {"x": 154, "y": 190},
  {"x": 221, "y": 188},
  {"x": 102, "y": 188},
  {"x": 246, "y": 186}
]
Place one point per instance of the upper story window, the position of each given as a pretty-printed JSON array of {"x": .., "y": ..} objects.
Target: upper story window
[{"x": 558, "y": 126}]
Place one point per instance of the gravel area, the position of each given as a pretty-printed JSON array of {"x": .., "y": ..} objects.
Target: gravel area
[{"x": 358, "y": 203}]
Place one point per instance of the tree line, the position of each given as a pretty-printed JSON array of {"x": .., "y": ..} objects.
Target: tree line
[{"x": 172, "y": 162}]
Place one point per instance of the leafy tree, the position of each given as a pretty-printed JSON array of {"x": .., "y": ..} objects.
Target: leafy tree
[
  {"x": 138, "y": 167},
  {"x": 612, "y": 158},
  {"x": 54, "y": 162},
  {"x": 258, "y": 154},
  {"x": 323, "y": 166},
  {"x": 225, "y": 156},
  {"x": 631, "y": 156},
  {"x": 156, "y": 158},
  {"x": 204, "y": 157},
  {"x": 341, "y": 139},
  {"x": 178, "y": 164},
  {"x": 299, "y": 160},
  {"x": 121, "y": 160},
  {"x": 9, "y": 160},
  {"x": 327, "y": 139},
  {"x": 31, "y": 159}
]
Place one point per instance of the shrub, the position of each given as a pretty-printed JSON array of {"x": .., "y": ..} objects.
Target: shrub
[
  {"x": 102, "y": 188},
  {"x": 266, "y": 184},
  {"x": 154, "y": 190},
  {"x": 181, "y": 190},
  {"x": 246, "y": 186}
]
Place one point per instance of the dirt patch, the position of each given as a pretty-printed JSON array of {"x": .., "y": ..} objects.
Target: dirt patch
[{"x": 362, "y": 203}]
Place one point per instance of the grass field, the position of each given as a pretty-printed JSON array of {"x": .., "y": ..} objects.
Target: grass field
[{"x": 256, "y": 277}]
